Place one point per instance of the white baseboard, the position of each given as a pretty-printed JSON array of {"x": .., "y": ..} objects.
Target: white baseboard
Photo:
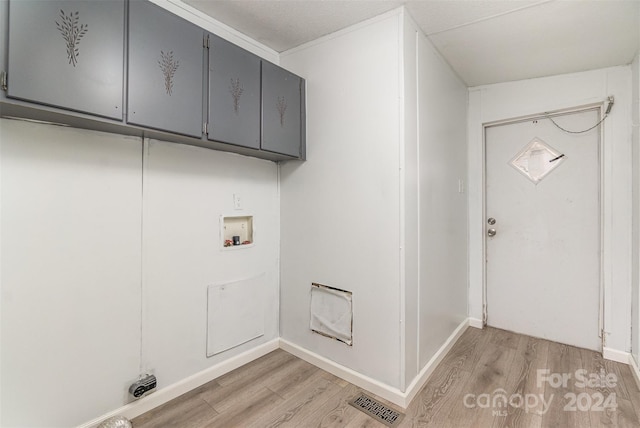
[
  {"x": 633, "y": 365},
  {"x": 170, "y": 392},
  {"x": 476, "y": 323},
  {"x": 615, "y": 355},
  {"x": 422, "y": 378},
  {"x": 378, "y": 388}
]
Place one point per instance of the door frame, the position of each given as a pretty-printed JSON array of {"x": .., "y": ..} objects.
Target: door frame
[{"x": 600, "y": 107}]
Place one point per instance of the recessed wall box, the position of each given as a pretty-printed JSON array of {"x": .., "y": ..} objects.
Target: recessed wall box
[{"x": 237, "y": 231}]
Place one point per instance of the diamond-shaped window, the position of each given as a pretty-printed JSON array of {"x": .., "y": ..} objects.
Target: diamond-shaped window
[{"x": 536, "y": 160}]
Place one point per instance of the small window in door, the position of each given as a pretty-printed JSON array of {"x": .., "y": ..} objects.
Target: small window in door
[{"x": 536, "y": 160}]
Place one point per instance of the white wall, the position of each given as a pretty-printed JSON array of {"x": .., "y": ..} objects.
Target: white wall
[
  {"x": 635, "y": 118},
  {"x": 340, "y": 210},
  {"x": 186, "y": 190},
  {"x": 70, "y": 272},
  {"x": 514, "y": 99},
  {"x": 442, "y": 100},
  {"x": 434, "y": 247},
  {"x": 376, "y": 208},
  {"x": 79, "y": 232}
]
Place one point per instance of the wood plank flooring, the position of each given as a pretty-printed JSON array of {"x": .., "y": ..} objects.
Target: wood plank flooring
[{"x": 465, "y": 390}]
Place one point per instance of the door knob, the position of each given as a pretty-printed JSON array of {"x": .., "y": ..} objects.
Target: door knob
[{"x": 491, "y": 232}]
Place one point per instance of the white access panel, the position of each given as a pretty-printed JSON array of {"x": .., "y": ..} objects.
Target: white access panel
[
  {"x": 235, "y": 313},
  {"x": 332, "y": 313}
]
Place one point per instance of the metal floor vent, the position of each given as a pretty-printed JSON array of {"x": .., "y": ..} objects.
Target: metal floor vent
[{"x": 377, "y": 410}]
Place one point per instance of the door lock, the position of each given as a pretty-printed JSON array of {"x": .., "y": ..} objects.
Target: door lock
[{"x": 491, "y": 221}]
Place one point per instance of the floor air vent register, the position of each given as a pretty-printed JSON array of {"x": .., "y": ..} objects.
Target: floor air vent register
[{"x": 377, "y": 410}]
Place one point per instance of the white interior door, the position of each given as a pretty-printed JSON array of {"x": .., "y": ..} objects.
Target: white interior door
[{"x": 543, "y": 263}]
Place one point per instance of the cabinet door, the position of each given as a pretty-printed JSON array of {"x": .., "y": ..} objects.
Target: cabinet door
[
  {"x": 281, "y": 110},
  {"x": 68, "y": 54},
  {"x": 165, "y": 70},
  {"x": 234, "y": 94}
]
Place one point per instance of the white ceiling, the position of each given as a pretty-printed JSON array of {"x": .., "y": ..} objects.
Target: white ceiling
[{"x": 485, "y": 41}]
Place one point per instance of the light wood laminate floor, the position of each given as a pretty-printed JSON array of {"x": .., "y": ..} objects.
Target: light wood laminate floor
[{"x": 280, "y": 390}]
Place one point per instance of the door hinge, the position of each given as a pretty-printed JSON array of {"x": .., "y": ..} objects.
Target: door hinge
[
  {"x": 205, "y": 41},
  {"x": 3, "y": 80},
  {"x": 205, "y": 128}
]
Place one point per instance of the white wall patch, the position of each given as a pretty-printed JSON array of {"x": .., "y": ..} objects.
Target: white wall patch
[{"x": 332, "y": 313}]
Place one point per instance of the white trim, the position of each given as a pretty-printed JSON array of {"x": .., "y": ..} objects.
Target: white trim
[
  {"x": 603, "y": 214},
  {"x": 402, "y": 399},
  {"x": 476, "y": 323},
  {"x": 208, "y": 23},
  {"x": 416, "y": 386},
  {"x": 615, "y": 355},
  {"x": 402, "y": 191},
  {"x": 170, "y": 392},
  {"x": 419, "y": 34},
  {"x": 374, "y": 386},
  {"x": 634, "y": 369},
  {"x": 394, "y": 395}
]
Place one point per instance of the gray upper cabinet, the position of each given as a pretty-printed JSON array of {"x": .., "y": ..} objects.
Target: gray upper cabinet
[
  {"x": 68, "y": 54},
  {"x": 282, "y": 98},
  {"x": 165, "y": 70},
  {"x": 133, "y": 67},
  {"x": 234, "y": 94}
]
